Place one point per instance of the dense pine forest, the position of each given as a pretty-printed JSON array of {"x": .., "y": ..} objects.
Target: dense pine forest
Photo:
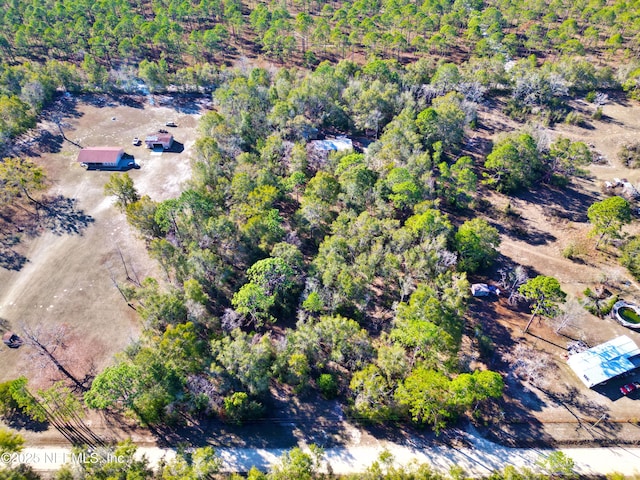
[
  {"x": 48, "y": 46},
  {"x": 341, "y": 275}
]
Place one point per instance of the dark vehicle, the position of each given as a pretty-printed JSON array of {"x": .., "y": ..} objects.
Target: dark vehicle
[{"x": 12, "y": 340}]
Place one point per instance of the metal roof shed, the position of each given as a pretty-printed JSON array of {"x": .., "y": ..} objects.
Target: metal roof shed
[
  {"x": 338, "y": 144},
  {"x": 605, "y": 361}
]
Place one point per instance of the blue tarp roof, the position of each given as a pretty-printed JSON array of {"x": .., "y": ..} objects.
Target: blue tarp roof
[{"x": 605, "y": 361}]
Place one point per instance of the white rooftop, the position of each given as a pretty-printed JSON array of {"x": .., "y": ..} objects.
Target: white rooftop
[
  {"x": 604, "y": 361},
  {"x": 338, "y": 144}
]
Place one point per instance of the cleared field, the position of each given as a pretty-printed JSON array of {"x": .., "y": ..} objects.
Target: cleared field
[{"x": 68, "y": 278}]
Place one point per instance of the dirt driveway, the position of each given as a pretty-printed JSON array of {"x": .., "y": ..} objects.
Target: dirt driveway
[{"x": 69, "y": 274}]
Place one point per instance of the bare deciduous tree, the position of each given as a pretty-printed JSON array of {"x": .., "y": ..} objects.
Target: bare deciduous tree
[
  {"x": 49, "y": 342},
  {"x": 231, "y": 320},
  {"x": 570, "y": 312},
  {"x": 511, "y": 279},
  {"x": 531, "y": 365}
]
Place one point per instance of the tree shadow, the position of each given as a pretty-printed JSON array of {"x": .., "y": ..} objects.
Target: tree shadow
[
  {"x": 568, "y": 203},
  {"x": 49, "y": 143},
  {"x": 78, "y": 433},
  {"x": 618, "y": 97},
  {"x": 404, "y": 433},
  {"x": 511, "y": 420},
  {"x": 10, "y": 235},
  {"x": 287, "y": 423},
  {"x": 60, "y": 215},
  {"x": 10, "y": 259},
  {"x": 257, "y": 434},
  {"x": 516, "y": 227},
  {"x": 55, "y": 213},
  {"x": 572, "y": 398},
  {"x": 66, "y": 104},
  {"x": 103, "y": 100},
  {"x": 18, "y": 421},
  {"x": 33, "y": 146}
]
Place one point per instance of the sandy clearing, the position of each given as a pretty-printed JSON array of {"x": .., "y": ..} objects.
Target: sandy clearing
[{"x": 68, "y": 277}]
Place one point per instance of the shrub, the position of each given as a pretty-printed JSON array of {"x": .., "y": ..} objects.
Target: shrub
[
  {"x": 573, "y": 251},
  {"x": 574, "y": 118},
  {"x": 629, "y": 155},
  {"x": 238, "y": 408},
  {"x": 569, "y": 251},
  {"x": 328, "y": 386},
  {"x": 485, "y": 344},
  {"x": 8, "y": 404},
  {"x": 597, "y": 115},
  {"x": 598, "y": 304},
  {"x": 631, "y": 257}
]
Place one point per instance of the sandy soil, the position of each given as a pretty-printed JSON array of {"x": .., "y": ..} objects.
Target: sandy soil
[
  {"x": 68, "y": 277},
  {"x": 564, "y": 411}
]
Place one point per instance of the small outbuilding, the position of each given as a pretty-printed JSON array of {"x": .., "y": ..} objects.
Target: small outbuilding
[
  {"x": 100, "y": 157},
  {"x": 318, "y": 150},
  {"x": 159, "y": 140},
  {"x": 335, "y": 144},
  {"x": 484, "y": 290},
  {"x": 605, "y": 361}
]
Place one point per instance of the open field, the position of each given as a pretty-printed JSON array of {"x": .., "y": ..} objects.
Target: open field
[{"x": 69, "y": 272}]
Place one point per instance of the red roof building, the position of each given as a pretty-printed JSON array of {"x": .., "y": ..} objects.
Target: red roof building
[
  {"x": 158, "y": 140},
  {"x": 100, "y": 156}
]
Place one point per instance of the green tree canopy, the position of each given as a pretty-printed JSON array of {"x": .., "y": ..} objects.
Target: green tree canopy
[
  {"x": 513, "y": 163},
  {"x": 631, "y": 256},
  {"x": 476, "y": 243},
  {"x": 19, "y": 176},
  {"x": 608, "y": 217},
  {"x": 545, "y": 295},
  {"x": 426, "y": 395},
  {"x": 10, "y": 442},
  {"x": 121, "y": 186}
]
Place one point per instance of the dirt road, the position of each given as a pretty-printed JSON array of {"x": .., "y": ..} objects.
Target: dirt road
[{"x": 479, "y": 458}]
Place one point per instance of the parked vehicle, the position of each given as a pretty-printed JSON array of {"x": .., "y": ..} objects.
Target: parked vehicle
[
  {"x": 171, "y": 124},
  {"x": 629, "y": 387},
  {"x": 136, "y": 141}
]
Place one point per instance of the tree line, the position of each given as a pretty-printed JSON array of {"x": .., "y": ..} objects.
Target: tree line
[{"x": 49, "y": 46}]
